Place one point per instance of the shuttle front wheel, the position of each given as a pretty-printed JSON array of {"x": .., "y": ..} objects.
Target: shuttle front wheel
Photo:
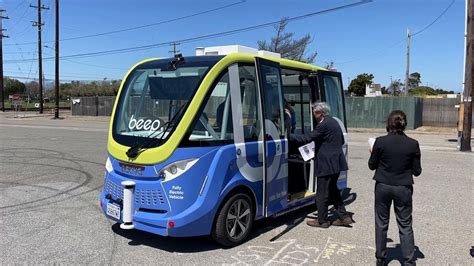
[{"x": 234, "y": 221}]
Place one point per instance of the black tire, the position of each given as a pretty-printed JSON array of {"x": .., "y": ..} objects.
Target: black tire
[{"x": 229, "y": 231}]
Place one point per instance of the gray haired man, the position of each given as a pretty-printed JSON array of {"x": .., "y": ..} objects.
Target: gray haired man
[{"x": 329, "y": 162}]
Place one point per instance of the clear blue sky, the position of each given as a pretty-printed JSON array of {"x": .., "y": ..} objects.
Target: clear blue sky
[{"x": 358, "y": 39}]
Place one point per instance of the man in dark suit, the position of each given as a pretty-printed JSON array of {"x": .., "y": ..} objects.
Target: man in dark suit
[
  {"x": 329, "y": 162},
  {"x": 396, "y": 158}
]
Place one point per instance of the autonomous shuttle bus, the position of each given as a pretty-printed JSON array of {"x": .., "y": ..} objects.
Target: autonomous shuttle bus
[{"x": 197, "y": 145}]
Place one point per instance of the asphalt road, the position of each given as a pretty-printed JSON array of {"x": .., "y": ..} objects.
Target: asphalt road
[{"x": 51, "y": 173}]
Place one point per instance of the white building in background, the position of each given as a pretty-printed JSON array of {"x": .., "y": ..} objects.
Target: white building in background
[{"x": 373, "y": 90}]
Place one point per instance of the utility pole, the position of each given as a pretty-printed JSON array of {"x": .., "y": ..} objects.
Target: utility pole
[
  {"x": 39, "y": 24},
  {"x": 407, "y": 74},
  {"x": 56, "y": 74},
  {"x": 468, "y": 81},
  {"x": 174, "y": 51},
  {"x": 2, "y": 89}
]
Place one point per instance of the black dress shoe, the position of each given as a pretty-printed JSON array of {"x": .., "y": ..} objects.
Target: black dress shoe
[
  {"x": 380, "y": 262},
  {"x": 315, "y": 223}
]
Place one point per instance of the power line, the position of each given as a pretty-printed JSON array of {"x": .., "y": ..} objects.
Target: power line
[
  {"x": 17, "y": 6},
  {"x": 199, "y": 38},
  {"x": 409, "y": 36},
  {"x": 21, "y": 54},
  {"x": 375, "y": 53},
  {"x": 434, "y": 21},
  {"x": 35, "y": 79},
  {"x": 86, "y": 64},
  {"x": 401, "y": 40},
  {"x": 93, "y": 65},
  {"x": 144, "y": 26},
  {"x": 31, "y": 65},
  {"x": 19, "y": 20},
  {"x": 174, "y": 51},
  {"x": 68, "y": 75}
]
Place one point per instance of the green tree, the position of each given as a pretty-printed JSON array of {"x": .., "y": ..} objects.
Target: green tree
[
  {"x": 441, "y": 91},
  {"x": 395, "y": 88},
  {"x": 287, "y": 46},
  {"x": 357, "y": 86},
  {"x": 422, "y": 91},
  {"x": 414, "y": 80},
  {"x": 426, "y": 90},
  {"x": 32, "y": 89},
  {"x": 13, "y": 86},
  {"x": 82, "y": 88}
]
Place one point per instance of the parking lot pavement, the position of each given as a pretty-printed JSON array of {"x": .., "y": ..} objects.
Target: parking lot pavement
[{"x": 51, "y": 173}]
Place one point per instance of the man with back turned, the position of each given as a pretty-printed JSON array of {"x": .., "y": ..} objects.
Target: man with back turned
[{"x": 329, "y": 162}]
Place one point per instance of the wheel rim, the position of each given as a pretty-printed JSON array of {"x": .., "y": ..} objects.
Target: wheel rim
[{"x": 238, "y": 219}]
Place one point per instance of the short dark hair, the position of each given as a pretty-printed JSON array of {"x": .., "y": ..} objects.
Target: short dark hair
[{"x": 396, "y": 121}]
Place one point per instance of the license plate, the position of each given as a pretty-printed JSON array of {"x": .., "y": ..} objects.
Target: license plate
[{"x": 113, "y": 210}]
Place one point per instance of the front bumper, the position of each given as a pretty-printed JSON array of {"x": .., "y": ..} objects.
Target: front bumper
[{"x": 152, "y": 211}]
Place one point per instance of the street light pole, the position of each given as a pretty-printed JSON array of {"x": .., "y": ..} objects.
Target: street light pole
[
  {"x": 468, "y": 81},
  {"x": 2, "y": 89},
  {"x": 56, "y": 81},
  {"x": 407, "y": 74},
  {"x": 39, "y": 24}
]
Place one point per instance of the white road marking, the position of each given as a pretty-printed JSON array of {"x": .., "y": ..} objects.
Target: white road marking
[{"x": 56, "y": 127}]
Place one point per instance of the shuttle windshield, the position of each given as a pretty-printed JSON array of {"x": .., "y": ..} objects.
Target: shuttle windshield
[{"x": 155, "y": 96}]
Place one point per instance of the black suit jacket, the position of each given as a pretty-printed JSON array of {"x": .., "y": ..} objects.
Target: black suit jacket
[
  {"x": 328, "y": 140},
  {"x": 396, "y": 158}
]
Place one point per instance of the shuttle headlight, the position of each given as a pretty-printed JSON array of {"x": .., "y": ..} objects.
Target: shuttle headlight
[
  {"x": 176, "y": 169},
  {"x": 108, "y": 165}
]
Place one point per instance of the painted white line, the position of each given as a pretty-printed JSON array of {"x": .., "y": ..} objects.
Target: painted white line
[
  {"x": 325, "y": 246},
  {"x": 56, "y": 127}
]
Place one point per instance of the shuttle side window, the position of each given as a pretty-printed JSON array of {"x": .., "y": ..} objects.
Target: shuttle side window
[
  {"x": 249, "y": 96},
  {"x": 334, "y": 97},
  {"x": 298, "y": 96},
  {"x": 214, "y": 124},
  {"x": 273, "y": 102}
]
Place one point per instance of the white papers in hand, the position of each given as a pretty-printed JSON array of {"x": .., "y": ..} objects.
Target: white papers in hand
[
  {"x": 371, "y": 143},
  {"x": 307, "y": 151}
]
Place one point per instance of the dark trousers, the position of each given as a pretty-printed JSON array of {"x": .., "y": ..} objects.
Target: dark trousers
[
  {"x": 401, "y": 196},
  {"x": 327, "y": 189}
]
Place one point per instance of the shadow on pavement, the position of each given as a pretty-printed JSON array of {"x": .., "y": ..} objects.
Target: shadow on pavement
[
  {"x": 170, "y": 244},
  {"x": 205, "y": 243},
  {"x": 395, "y": 253},
  {"x": 291, "y": 222}
]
